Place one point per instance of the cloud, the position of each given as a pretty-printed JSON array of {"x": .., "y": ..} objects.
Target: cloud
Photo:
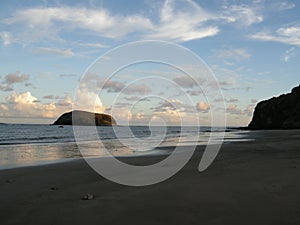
[
  {"x": 136, "y": 89},
  {"x": 183, "y": 21},
  {"x": 52, "y": 97},
  {"x": 227, "y": 79},
  {"x": 86, "y": 100},
  {"x": 93, "y": 45},
  {"x": 179, "y": 21},
  {"x": 193, "y": 93},
  {"x": 168, "y": 115},
  {"x": 9, "y": 80},
  {"x": 121, "y": 115},
  {"x": 136, "y": 98},
  {"x": 16, "y": 77},
  {"x": 284, "y": 5},
  {"x": 67, "y": 75},
  {"x": 288, "y": 54},
  {"x": 233, "y": 53},
  {"x": 233, "y": 109},
  {"x": 56, "y": 51},
  {"x": 285, "y": 35},
  {"x": 26, "y": 105},
  {"x": 232, "y": 100},
  {"x": 3, "y": 107},
  {"x": 48, "y": 22},
  {"x": 7, "y": 38},
  {"x": 244, "y": 15},
  {"x": 170, "y": 104},
  {"x": 249, "y": 110},
  {"x": 66, "y": 102},
  {"x": 113, "y": 86},
  {"x": 139, "y": 116},
  {"x": 185, "y": 82},
  {"x": 6, "y": 88},
  {"x": 203, "y": 107}
]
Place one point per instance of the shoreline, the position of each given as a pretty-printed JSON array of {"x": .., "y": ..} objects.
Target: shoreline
[{"x": 234, "y": 136}]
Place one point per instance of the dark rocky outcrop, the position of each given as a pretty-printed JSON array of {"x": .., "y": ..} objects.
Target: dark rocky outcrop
[
  {"x": 84, "y": 118},
  {"x": 281, "y": 112}
]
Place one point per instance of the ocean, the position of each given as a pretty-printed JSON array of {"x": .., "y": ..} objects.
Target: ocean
[{"x": 23, "y": 144}]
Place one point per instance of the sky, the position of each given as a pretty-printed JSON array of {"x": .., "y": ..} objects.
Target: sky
[{"x": 49, "y": 52}]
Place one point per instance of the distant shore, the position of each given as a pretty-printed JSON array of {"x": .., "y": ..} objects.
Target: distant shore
[{"x": 250, "y": 182}]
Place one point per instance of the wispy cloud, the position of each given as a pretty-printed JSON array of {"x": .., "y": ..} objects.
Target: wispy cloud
[
  {"x": 183, "y": 23},
  {"x": 93, "y": 45},
  {"x": 286, "y": 35},
  {"x": 288, "y": 54},
  {"x": 233, "y": 53},
  {"x": 42, "y": 22},
  {"x": 56, "y": 51},
  {"x": 178, "y": 21},
  {"x": 7, "y": 38},
  {"x": 244, "y": 15}
]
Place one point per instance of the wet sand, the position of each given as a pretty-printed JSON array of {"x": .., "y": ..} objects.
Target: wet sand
[{"x": 251, "y": 182}]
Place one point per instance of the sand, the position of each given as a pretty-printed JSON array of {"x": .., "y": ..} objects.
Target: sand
[{"x": 252, "y": 182}]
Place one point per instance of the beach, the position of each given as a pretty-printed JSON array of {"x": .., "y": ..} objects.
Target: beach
[{"x": 250, "y": 182}]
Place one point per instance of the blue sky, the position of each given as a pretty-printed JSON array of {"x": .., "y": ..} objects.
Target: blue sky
[{"x": 252, "y": 47}]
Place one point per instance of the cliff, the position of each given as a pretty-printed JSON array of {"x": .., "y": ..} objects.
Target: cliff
[
  {"x": 84, "y": 118},
  {"x": 281, "y": 112}
]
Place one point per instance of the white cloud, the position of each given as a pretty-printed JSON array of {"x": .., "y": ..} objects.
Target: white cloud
[
  {"x": 89, "y": 101},
  {"x": 183, "y": 23},
  {"x": 93, "y": 45},
  {"x": 7, "y": 38},
  {"x": 244, "y": 15},
  {"x": 233, "y": 53},
  {"x": 284, "y": 5},
  {"x": 26, "y": 105},
  {"x": 56, "y": 51},
  {"x": 288, "y": 54},
  {"x": 42, "y": 22},
  {"x": 179, "y": 21},
  {"x": 286, "y": 35}
]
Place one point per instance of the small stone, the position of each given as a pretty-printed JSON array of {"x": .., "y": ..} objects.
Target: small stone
[
  {"x": 54, "y": 188},
  {"x": 88, "y": 197},
  {"x": 10, "y": 181}
]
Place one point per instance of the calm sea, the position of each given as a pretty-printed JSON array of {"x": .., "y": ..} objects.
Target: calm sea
[{"x": 22, "y": 145}]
